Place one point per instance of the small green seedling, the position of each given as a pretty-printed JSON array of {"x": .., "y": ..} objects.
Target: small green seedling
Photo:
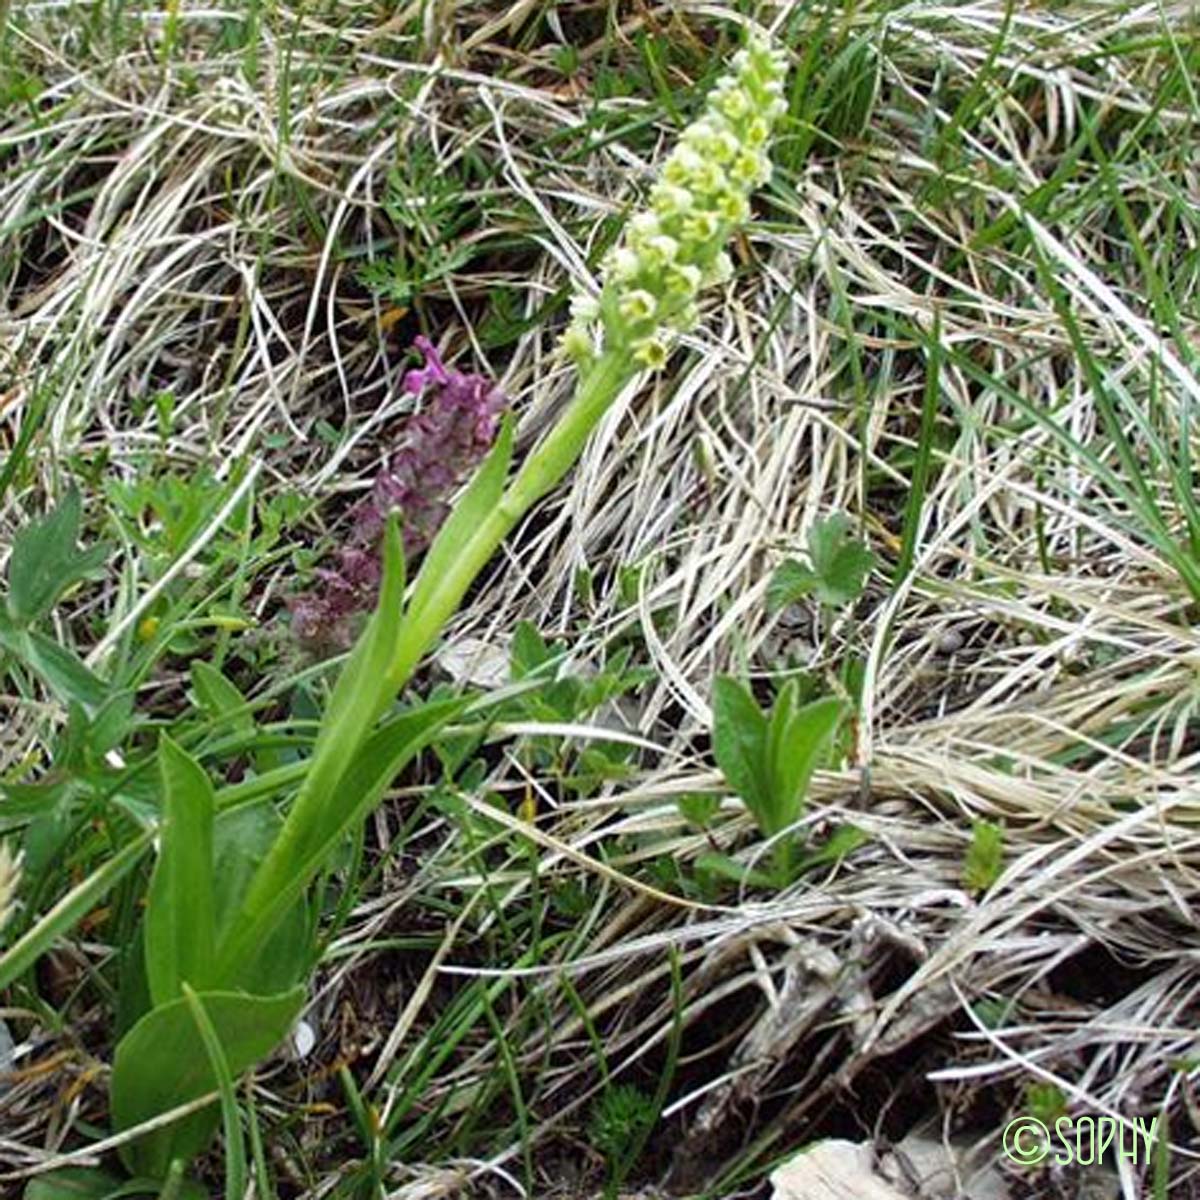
[
  {"x": 769, "y": 759},
  {"x": 618, "y": 1124},
  {"x": 984, "y": 861}
]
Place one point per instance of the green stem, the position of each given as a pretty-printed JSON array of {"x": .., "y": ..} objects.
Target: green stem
[
  {"x": 549, "y": 462},
  {"x": 364, "y": 690}
]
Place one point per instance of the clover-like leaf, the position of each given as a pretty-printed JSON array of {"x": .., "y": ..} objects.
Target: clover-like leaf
[
  {"x": 46, "y": 561},
  {"x": 838, "y": 567}
]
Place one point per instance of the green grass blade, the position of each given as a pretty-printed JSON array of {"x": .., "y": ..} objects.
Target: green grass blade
[
  {"x": 71, "y": 909},
  {"x": 235, "y": 1147}
]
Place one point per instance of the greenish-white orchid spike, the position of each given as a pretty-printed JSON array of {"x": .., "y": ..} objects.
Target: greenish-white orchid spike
[
  {"x": 651, "y": 280},
  {"x": 10, "y": 875}
]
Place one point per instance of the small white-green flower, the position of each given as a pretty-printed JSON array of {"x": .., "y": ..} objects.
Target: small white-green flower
[
  {"x": 584, "y": 308},
  {"x": 734, "y": 103},
  {"x": 643, "y": 227},
  {"x": 758, "y": 132},
  {"x": 669, "y": 200},
  {"x": 682, "y": 165},
  {"x": 704, "y": 226},
  {"x": 733, "y": 207},
  {"x": 638, "y": 305},
  {"x": 684, "y": 280},
  {"x": 651, "y": 352},
  {"x": 672, "y": 251},
  {"x": 578, "y": 342},
  {"x": 725, "y": 146},
  {"x": 721, "y": 270},
  {"x": 624, "y": 264},
  {"x": 10, "y": 876},
  {"x": 658, "y": 251}
]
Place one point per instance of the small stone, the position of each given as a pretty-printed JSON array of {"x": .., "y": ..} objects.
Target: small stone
[
  {"x": 304, "y": 1038},
  {"x": 949, "y": 641}
]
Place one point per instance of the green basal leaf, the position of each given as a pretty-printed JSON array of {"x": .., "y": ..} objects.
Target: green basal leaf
[
  {"x": 798, "y": 742},
  {"x": 724, "y": 867},
  {"x": 157, "y": 1068},
  {"x": 74, "y": 1183},
  {"x": 842, "y": 840},
  {"x": 784, "y": 803},
  {"x": 220, "y": 699},
  {"x": 739, "y": 740},
  {"x": 92, "y": 1183},
  {"x": 281, "y": 881},
  {"x": 243, "y": 837},
  {"x": 180, "y": 909}
]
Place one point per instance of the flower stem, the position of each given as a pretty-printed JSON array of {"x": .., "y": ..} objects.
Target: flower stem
[{"x": 548, "y": 463}]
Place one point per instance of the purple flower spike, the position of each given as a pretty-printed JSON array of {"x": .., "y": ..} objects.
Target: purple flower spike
[
  {"x": 434, "y": 370},
  {"x": 440, "y": 446}
]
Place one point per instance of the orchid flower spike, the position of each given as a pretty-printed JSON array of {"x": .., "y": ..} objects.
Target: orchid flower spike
[{"x": 651, "y": 280}]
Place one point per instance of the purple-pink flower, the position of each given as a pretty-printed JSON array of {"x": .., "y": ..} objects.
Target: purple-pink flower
[{"x": 441, "y": 444}]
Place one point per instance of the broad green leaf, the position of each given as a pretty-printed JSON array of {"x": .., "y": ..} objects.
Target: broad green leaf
[
  {"x": 783, "y": 806},
  {"x": 73, "y": 1183},
  {"x": 243, "y": 838},
  {"x": 73, "y": 907},
  {"x": 840, "y": 561},
  {"x": 291, "y": 865},
  {"x": 698, "y": 808},
  {"x": 220, "y": 699},
  {"x": 47, "y": 835},
  {"x": 791, "y": 581},
  {"x": 181, "y": 907},
  {"x": 739, "y": 743},
  {"x": 45, "y": 561},
  {"x": 110, "y": 724},
  {"x": 92, "y": 1183},
  {"x": 235, "y": 1147},
  {"x": 158, "y": 1067},
  {"x": 797, "y": 749},
  {"x": 133, "y": 994},
  {"x": 60, "y": 667},
  {"x": 528, "y": 651},
  {"x": 26, "y": 802},
  {"x": 841, "y": 841},
  {"x": 724, "y": 867},
  {"x": 840, "y": 564}
]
